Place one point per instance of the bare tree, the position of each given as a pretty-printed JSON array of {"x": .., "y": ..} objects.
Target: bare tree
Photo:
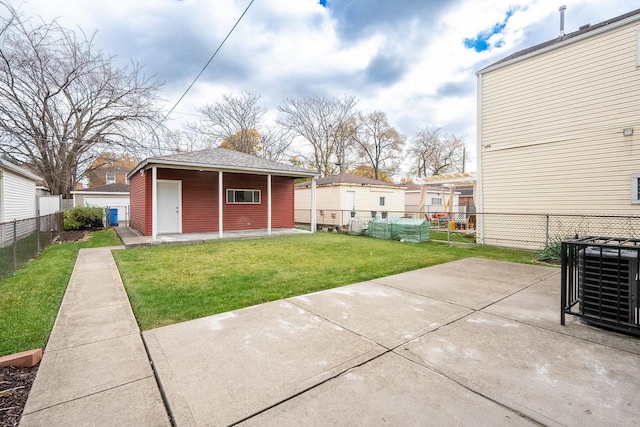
[
  {"x": 275, "y": 142},
  {"x": 435, "y": 152},
  {"x": 379, "y": 144},
  {"x": 64, "y": 103},
  {"x": 327, "y": 125},
  {"x": 182, "y": 141},
  {"x": 233, "y": 121}
]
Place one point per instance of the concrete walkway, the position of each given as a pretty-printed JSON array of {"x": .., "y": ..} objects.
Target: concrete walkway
[{"x": 95, "y": 370}]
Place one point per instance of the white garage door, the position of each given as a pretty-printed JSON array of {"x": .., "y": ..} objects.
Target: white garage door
[{"x": 121, "y": 203}]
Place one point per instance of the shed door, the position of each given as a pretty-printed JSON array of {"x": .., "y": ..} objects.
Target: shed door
[
  {"x": 169, "y": 206},
  {"x": 349, "y": 205}
]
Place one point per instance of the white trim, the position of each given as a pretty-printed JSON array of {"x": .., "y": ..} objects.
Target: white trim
[
  {"x": 252, "y": 190},
  {"x": 115, "y": 193},
  {"x": 635, "y": 188},
  {"x": 173, "y": 181},
  {"x": 477, "y": 190},
  {"x": 313, "y": 205},
  {"x": 154, "y": 203},
  {"x": 269, "y": 205},
  {"x": 221, "y": 197}
]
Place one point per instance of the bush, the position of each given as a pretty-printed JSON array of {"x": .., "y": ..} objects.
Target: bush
[{"x": 83, "y": 218}]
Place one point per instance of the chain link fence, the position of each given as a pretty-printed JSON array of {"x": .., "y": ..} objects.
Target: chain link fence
[
  {"x": 21, "y": 240},
  {"x": 509, "y": 230}
]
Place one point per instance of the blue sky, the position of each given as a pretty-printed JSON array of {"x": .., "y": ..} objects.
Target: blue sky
[{"x": 413, "y": 59}]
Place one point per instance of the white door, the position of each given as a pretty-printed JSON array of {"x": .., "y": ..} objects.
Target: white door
[
  {"x": 349, "y": 205},
  {"x": 169, "y": 206}
]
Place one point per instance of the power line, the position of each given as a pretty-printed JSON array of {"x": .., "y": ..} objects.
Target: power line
[{"x": 208, "y": 62}]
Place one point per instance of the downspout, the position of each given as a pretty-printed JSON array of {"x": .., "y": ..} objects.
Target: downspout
[
  {"x": 154, "y": 203},
  {"x": 269, "y": 205},
  {"x": 313, "y": 205},
  {"x": 477, "y": 190},
  {"x": 220, "y": 204}
]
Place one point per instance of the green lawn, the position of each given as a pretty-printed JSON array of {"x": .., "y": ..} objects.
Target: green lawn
[
  {"x": 30, "y": 299},
  {"x": 170, "y": 284}
]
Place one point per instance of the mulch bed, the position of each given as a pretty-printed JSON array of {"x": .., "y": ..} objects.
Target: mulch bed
[
  {"x": 71, "y": 236},
  {"x": 15, "y": 384}
]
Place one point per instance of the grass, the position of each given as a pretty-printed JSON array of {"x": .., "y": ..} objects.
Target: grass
[
  {"x": 170, "y": 284},
  {"x": 30, "y": 299}
]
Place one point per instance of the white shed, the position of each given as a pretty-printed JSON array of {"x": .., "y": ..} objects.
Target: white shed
[
  {"x": 105, "y": 196},
  {"x": 338, "y": 197},
  {"x": 17, "y": 192}
]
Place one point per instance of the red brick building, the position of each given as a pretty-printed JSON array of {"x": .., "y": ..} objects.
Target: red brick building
[{"x": 196, "y": 192}]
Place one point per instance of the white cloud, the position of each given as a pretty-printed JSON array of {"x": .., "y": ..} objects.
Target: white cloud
[{"x": 405, "y": 58}]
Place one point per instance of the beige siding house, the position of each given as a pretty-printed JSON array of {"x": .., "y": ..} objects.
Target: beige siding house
[
  {"x": 339, "y": 195},
  {"x": 559, "y": 126}
]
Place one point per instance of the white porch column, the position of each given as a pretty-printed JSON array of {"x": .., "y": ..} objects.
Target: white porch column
[
  {"x": 269, "y": 205},
  {"x": 220, "y": 204},
  {"x": 313, "y": 205},
  {"x": 154, "y": 203}
]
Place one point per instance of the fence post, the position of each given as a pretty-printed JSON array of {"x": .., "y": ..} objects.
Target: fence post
[
  {"x": 38, "y": 224},
  {"x": 15, "y": 246},
  {"x": 546, "y": 240}
]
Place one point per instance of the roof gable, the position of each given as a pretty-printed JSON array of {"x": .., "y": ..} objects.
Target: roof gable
[
  {"x": 18, "y": 170},
  {"x": 566, "y": 39}
]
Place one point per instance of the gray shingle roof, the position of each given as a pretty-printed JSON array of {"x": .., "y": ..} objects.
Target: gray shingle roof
[
  {"x": 109, "y": 188},
  {"x": 225, "y": 160}
]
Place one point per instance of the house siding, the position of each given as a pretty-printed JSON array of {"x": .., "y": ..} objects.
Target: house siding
[
  {"x": 551, "y": 129},
  {"x": 200, "y": 201},
  {"x": 331, "y": 199},
  {"x": 18, "y": 197},
  {"x": 138, "y": 203}
]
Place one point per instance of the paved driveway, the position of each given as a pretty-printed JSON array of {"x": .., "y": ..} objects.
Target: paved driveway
[{"x": 471, "y": 342}]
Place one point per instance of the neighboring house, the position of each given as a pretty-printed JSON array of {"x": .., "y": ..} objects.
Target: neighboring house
[
  {"x": 212, "y": 191},
  {"x": 17, "y": 192},
  {"x": 108, "y": 174},
  {"x": 559, "y": 127},
  {"x": 339, "y": 195},
  {"x": 426, "y": 200},
  {"x": 105, "y": 196}
]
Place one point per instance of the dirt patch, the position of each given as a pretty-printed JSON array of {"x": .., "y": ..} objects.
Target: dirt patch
[
  {"x": 71, "y": 236},
  {"x": 15, "y": 384}
]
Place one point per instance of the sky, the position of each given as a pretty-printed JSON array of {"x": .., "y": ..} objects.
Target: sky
[{"x": 415, "y": 60}]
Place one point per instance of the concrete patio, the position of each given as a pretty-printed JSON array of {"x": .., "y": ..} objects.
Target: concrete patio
[{"x": 470, "y": 342}]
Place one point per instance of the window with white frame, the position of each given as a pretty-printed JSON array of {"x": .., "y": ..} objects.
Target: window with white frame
[
  {"x": 635, "y": 188},
  {"x": 110, "y": 178},
  {"x": 382, "y": 200},
  {"x": 243, "y": 196},
  {"x": 436, "y": 200}
]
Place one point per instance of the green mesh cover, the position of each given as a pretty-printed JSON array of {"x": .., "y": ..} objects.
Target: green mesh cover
[{"x": 404, "y": 229}]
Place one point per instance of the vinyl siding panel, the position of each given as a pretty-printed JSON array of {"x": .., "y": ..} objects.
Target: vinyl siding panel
[
  {"x": 552, "y": 129},
  {"x": 138, "y": 203},
  {"x": 331, "y": 200},
  {"x": 18, "y": 197}
]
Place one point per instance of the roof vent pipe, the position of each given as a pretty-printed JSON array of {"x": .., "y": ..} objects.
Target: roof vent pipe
[{"x": 562, "y": 9}]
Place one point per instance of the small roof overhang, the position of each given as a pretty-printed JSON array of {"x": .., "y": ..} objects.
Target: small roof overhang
[{"x": 20, "y": 171}]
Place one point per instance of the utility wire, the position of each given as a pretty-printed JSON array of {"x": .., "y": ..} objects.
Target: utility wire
[{"x": 208, "y": 62}]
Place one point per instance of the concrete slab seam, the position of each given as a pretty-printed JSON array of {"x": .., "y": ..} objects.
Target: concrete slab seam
[
  {"x": 44, "y": 408},
  {"x": 507, "y": 404},
  {"x": 299, "y": 393},
  {"x": 163, "y": 395}
]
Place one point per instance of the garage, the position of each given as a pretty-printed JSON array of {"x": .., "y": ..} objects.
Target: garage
[{"x": 114, "y": 196}]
